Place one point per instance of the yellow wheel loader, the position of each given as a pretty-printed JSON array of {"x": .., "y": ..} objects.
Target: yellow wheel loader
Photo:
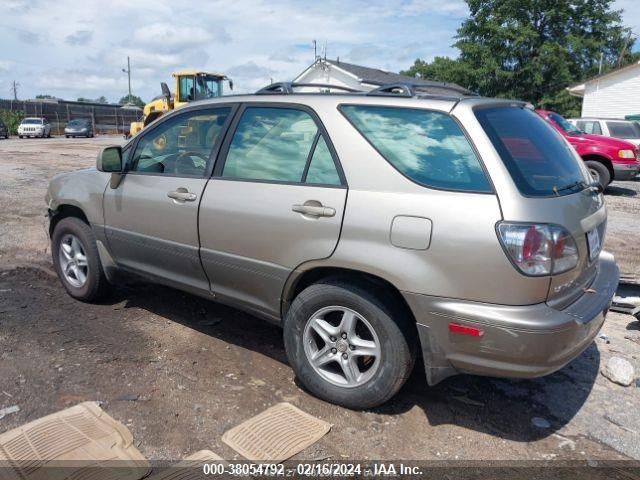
[{"x": 189, "y": 86}]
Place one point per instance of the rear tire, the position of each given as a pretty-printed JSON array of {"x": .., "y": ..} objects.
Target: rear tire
[
  {"x": 599, "y": 172},
  {"x": 76, "y": 260},
  {"x": 379, "y": 328}
]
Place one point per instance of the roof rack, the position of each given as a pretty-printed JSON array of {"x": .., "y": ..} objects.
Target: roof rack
[
  {"x": 434, "y": 90},
  {"x": 393, "y": 90},
  {"x": 288, "y": 87}
]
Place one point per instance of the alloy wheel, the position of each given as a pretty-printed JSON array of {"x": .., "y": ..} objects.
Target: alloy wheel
[
  {"x": 73, "y": 261},
  {"x": 342, "y": 346}
]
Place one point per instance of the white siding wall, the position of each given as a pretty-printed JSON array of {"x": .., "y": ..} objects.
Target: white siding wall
[
  {"x": 328, "y": 74},
  {"x": 614, "y": 96}
]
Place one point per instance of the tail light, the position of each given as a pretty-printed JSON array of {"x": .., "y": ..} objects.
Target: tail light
[{"x": 538, "y": 249}]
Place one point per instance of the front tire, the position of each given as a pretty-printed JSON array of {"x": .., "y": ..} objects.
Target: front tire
[
  {"x": 76, "y": 260},
  {"x": 347, "y": 346},
  {"x": 599, "y": 172}
]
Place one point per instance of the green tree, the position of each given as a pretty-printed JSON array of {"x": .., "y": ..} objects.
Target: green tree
[
  {"x": 45, "y": 96},
  {"x": 532, "y": 49},
  {"x": 134, "y": 99}
]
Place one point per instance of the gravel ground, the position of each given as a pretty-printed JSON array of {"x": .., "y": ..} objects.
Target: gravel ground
[{"x": 179, "y": 371}]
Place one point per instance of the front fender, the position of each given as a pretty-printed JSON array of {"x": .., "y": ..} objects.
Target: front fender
[{"x": 83, "y": 189}]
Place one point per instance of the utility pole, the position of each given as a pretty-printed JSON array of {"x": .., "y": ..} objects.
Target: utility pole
[
  {"x": 600, "y": 65},
  {"x": 14, "y": 87},
  {"x": 315, "y": 50},
  {"x": 128, "y": 72}
]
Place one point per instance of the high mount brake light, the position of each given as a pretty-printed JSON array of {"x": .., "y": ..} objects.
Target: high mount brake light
[{"x": 539, "y": 249}]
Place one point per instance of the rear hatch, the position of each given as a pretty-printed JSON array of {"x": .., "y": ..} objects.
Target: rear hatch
[{"x": 544, "y": 182}]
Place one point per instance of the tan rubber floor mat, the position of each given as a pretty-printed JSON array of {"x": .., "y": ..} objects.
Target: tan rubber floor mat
[
  {"x": 190, "y": 468},
  {"x": 276, "y": 434},
  {"x": 70, "y": 444}
]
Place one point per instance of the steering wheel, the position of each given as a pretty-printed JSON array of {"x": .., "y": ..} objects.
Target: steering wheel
[{"x": 182, "y": 157}]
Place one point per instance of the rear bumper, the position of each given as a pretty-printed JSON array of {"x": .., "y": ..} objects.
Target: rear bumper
[
  {"x": 625, "y": 171},
  {"x": 518, "y": 341}
]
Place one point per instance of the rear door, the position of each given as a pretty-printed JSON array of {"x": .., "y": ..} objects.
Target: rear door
[
  {"x": 276, "y": 200},
  {"x": 151, "y": 218}
]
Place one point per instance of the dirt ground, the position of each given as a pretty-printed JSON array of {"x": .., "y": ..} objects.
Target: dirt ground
[{"x": 179, "y": 371}]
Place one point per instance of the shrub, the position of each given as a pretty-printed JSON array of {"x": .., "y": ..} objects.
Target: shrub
[{"x": 11, "y": 120}]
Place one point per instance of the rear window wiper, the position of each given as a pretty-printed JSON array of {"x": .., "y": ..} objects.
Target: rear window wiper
[{"x": 580, "y": 184}]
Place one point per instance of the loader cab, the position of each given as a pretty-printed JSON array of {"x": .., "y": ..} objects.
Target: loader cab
[{"x": 192, "y": 86}]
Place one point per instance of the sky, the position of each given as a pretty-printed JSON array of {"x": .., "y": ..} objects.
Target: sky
[{"x": 78, "y": 48}]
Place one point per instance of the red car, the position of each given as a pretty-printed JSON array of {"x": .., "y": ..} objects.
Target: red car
[{"x": 606, "y": 158}]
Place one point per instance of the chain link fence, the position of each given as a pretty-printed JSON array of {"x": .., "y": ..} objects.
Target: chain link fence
[{"x": 106, "y": 119}]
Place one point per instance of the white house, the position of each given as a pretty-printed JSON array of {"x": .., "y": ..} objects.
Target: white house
[
  {"x": 614, "y": 94},
  {"x": 339, "y": 73}
]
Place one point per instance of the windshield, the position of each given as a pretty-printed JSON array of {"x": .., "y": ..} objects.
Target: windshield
[
  {"x": 32, "y": 121},
  {"x": 568, "y": 127},
  {"x": 540, "y": 162},
  {"x": 207, "y": 87},
  {"x": 77, "y": 123}
]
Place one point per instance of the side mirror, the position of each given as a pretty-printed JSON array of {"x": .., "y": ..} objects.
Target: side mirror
[{"x": 110, "y": 160}]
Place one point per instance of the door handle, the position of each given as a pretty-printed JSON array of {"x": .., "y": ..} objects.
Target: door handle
[
  {"x": 314, "y": 210},
  {"x": 182, "y": 195}
]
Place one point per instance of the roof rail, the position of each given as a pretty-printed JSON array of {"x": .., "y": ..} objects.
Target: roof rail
[
  {"x": 410, "y": 89},
  {"x": 288, "y": 88}
]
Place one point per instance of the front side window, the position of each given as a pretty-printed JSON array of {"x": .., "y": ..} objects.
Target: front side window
[
  {"x": 540, "y": 162},
  {"x": 590, "y": 127},
  {"x": 427, "y": 146},
  {"x": 623, "y": 130},
  {"x": 182, "y": 145},
  {"x": 276, "y": 144}
]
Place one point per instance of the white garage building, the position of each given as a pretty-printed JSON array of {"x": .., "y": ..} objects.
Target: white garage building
[
  {"x": 336, "y": 72},
  {"x": 614, "y": 94}
]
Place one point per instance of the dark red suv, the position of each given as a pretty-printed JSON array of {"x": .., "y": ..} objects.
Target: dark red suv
[{"x": 606, "y": 158}]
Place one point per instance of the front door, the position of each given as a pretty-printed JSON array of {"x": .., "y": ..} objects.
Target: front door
[
  {"x": 151, "y": 218},
  {"x": 274, "y": 202}
]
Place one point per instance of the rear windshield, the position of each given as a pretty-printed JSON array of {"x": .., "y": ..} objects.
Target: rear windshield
[
  {"x": 623, "y": 130},
  {"x": 427, "y": 147},
  {"x": 539, "y": 161}
]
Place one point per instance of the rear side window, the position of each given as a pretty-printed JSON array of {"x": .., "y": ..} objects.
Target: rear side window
[
  {"x": 623, "y": 130},
  {"x": 539, "y": 161},
  {"x": 427, "y": 147}
]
